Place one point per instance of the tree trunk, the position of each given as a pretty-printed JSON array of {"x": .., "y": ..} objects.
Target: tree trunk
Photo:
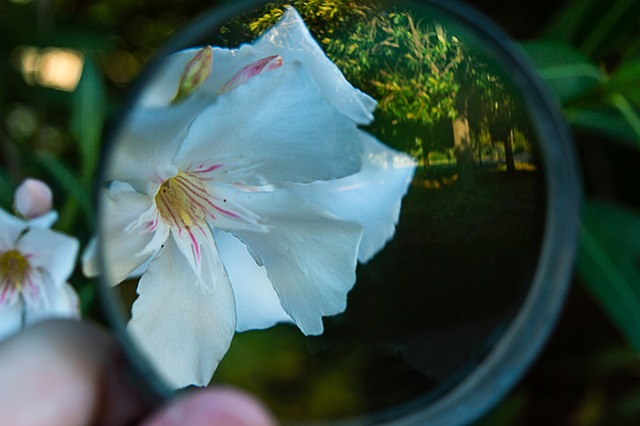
[
  {"x": 464, "y": 151},
  {"x": 508, "y": 153}
]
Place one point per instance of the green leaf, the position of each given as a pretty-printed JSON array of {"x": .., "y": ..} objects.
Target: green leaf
[
  {"x": 603, "y": 120},
  {"x": 567, "y": 23},
  {"x": 6, "y": 189},
  {"x": 76, "y": 194},
  {"x": 609, "y": 264},
  {"x": 609, "y": 24},
  {"x": 627, "y": 111},
  {"x": 87, "y": 118},
  {"x": 626, "y": 80},
  {"x": 569, "y": 73}
]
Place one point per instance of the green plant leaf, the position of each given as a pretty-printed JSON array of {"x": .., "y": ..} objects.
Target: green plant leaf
[
  {"x": 603, "y": 120},
  {"x": 6, "y": 189},
  {"x": 598, "y": 28},
  {"x": 609, "y": 24},
  {"x": 609, "y": 264},
  {"x": 567, "y": 23},
  {"x": 630, "y": 114},
  {"x": 569, "y": 73},
  {"x": 76, "y": 194},
  {"x": 626, "y": 80},
  {"x": 87, "y": 118}
]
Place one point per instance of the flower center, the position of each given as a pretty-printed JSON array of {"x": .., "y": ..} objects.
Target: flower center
[
  {"x": 182, "y": 201},
  {"x": 14, "y": 268}
]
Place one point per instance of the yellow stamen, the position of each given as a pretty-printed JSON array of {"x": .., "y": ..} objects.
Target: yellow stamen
[
  {"x": 182, "y": 201},
  {"x": 14, "y": 268}
]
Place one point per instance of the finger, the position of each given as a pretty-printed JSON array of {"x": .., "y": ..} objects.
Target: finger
[
  {"x": 65, "y": 373},
  {"x": 221, "y": 406}
]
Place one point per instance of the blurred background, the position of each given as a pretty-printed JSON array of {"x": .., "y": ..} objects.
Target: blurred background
[{"x": 65, "y": 65}]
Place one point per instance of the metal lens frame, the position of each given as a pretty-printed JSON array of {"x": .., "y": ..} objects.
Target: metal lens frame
[{"x": 524, "y": 337}]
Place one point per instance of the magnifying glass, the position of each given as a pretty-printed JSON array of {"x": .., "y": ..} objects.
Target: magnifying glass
[{"x": 363, "y": 214}]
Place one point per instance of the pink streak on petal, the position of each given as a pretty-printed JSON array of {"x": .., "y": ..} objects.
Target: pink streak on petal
[
  {"x": 255, "y": 68},
  {"x": 201, "y": 168},
  {"x": 195, "y": 246}
]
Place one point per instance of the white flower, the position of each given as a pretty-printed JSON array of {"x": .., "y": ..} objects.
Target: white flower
[
  {"x": 35, "y": 263},
  {"x": 257, "y": 183}
]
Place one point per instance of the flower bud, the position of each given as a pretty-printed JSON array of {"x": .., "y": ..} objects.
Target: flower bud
[
  {"x": 33, "y": 198},
  {"x": 269, "y": 63},
  {"x": 195, "y": 73}
]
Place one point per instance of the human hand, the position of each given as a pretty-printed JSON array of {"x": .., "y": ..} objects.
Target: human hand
[{"x": 71, "y": 373}]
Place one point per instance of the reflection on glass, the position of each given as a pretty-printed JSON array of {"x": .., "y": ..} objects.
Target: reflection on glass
[{"x": 341, "y": 215}]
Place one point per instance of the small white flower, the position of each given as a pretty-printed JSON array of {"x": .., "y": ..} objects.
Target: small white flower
[
  {"x": 246, "y": 198},
  {"x": 35, "y": 263}
]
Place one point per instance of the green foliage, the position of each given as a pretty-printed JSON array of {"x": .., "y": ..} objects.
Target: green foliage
[
  {"x": 592, "y": 98},
  {"x": 324, "y": 17},
  {"x": 88, "y": 113},
  {"x": 408, "y": 67},
  {"x": 608, "y": 264},
  {"x": 590, "y": 56},
  {"x": 570, "y": 73}
]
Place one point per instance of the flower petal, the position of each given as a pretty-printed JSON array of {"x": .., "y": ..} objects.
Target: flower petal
[
  {"x": 257, "y": 304},
  {"x": 89, "y": 259},
  {"x": 309, "y": 255},
  {"x": 371, "y": 197},
  {"x": 291, "y": 39},
  {"x": 50, "y": 251},
  {"x": 10, "y": 320},
  {"x": 183, "y": 327},
  {"x": 44, "y": 221},
  {"x": 11, "y": 228},
  {"x": 148, "y": 142},
  {"x": 62, "y": 303},
  {"x": 278, "y": 123},
  {"x": 123, "y": 248}
]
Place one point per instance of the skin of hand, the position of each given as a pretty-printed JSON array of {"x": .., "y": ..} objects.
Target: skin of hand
[{"x": 72, "y": 373}]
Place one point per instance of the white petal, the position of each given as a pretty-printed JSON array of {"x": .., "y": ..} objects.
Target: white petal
[
  {"x": 257, "y": 304},
  {"x": 50, "y": 251},
  {"x": 44, "y": 221},
  {"x": 124, "y": 247},
  {"x": 10, "y": 229},
  {"x": 291, "y": 39},
  {"x": 163, "y": 83},
  {"x": 10, "y": 320},
  {"x": 183, "y": 327},
  {"x": 62, "y": 303},
  {"x": 89, "y": 259},
  {"x": 278, "y": 123},
  {"x": 148, "y": 141},
  {"x": 65, "y": 303},
  {"x": 309, "y": 255},
  {"x": 371, "y": 197}
]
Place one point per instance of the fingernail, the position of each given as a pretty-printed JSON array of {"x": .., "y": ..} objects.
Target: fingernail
[{"x": 219, "y": 406}]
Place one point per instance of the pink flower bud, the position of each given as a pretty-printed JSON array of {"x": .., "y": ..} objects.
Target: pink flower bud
[
  {"x": 269, "y": 63},
  {"x": 33, "y": 198}
]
